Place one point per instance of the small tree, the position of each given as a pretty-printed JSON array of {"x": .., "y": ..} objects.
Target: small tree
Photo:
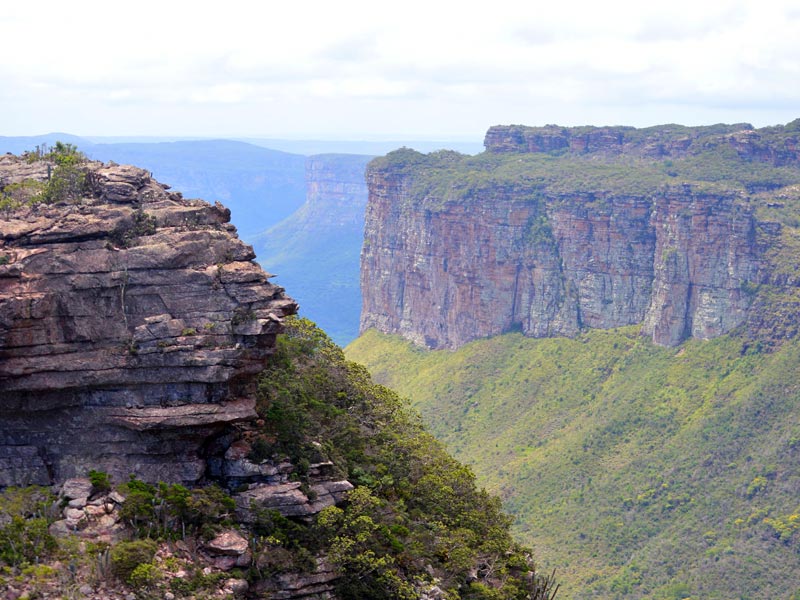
[{"x": 68, "y": 180}]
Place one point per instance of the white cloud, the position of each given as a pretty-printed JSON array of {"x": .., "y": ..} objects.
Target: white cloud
[{"x": 350, "y": 67}]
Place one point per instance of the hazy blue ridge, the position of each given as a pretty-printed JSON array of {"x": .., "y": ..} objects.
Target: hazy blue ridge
[
  {"x": 315, "y": 253},
  {"x": 260, "y": 186}
]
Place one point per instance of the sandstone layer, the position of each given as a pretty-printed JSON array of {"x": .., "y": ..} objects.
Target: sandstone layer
[
  {"x": 554, "y": 230},
  {"x": 777, "y": 145},
  {"x": 132, "y": 323}
]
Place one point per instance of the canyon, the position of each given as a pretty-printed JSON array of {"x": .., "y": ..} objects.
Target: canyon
[
  {"x": 155, "y": 379},
  {"x": 315, "y": 252}
]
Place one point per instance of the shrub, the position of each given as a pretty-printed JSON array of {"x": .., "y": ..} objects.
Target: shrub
[
  {"x": 25, "y": 540},
  {"x": 144, "y": 576},
  {"x": 101, "y": 482},
  {"x": 127, "y": 233},
  {"x": 127, "y": 556}
]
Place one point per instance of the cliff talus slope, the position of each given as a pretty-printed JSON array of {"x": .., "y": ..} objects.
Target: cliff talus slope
[
  {"x": 554, "y": 230},
  {"x": 132, "y": 323}
]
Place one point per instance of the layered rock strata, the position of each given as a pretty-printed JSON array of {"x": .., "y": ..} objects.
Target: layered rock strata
[
  {"x": 592, "y": 235},
  {"x": 132, "y": 323}
]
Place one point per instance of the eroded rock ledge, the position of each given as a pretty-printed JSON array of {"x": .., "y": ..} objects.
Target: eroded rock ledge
[{"x": 132, "y": 323}]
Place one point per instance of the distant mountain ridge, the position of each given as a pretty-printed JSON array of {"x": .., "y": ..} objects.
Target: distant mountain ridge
[
  {"x": 315, "y": 252},
  {"x": 259, "y": 185}
]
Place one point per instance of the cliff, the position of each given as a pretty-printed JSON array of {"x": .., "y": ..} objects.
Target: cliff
[
  {"x": 775, "y": 145},
  {"x": 139, "y": 345},
  {"x": 554, "y": 230},
  {"x": 315, "y": 252},
  {"x": 132, "y": 324}
]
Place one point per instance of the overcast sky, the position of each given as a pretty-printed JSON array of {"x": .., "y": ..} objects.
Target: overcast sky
[{"x": 347, "y": 69}]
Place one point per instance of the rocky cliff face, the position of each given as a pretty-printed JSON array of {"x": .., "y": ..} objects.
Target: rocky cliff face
[
  {"x": 336, "y": 193},
  {"x": 553, "y": 230},
  {"x": 132, "y": 322}
]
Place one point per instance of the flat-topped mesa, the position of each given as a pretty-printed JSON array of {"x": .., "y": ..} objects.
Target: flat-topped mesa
[
  {"x": 555, "y": 230},
  {"x": 132, "y": 324},
  {"x": 775, "y": 145}
]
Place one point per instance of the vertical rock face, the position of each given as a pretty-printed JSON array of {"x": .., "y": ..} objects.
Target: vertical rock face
[
  {"x": 335, "y": 189},
  {"x": 705, "y": 255},
  {"x": 132, "y": 323},
  {"x": 769, "y": 145},
  {"x": 594, "y": 234}
]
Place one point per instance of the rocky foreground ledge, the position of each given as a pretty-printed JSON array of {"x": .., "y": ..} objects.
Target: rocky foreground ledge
[{"x": 132, "y": 324}]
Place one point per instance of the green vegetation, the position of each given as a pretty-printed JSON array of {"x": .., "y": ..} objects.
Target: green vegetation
[
  {"x": 66, "y": 178},
  {"x": 415, "y": 519},
  {"x": 24, "y": 537},
  {"x": 436, "y": 179},
  {"x": 636, "y": 471},
  {"x": 101, "y": 482},
  {"x": 414, "y": 509},
  {"x": 170, "y": 511},
  {"x": 128, "y": 557},
  {"x": 127, "y": 233}
]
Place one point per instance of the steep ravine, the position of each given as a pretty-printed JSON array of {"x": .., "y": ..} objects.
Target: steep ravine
[{"x": 315, "y": 251}]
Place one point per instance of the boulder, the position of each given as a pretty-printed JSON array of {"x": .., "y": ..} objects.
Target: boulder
[{"x": 228, "y": 543}]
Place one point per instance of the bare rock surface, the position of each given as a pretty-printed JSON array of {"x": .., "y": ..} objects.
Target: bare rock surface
[
  {"x": 453, "y": 253},
  {"x": 132, "y": 323},
  {"x": 77, "y": 488},
  {"x": 289, "y": 499},
  {"x": 317, "y": 583},
  {"x": 228, "y": 543}
]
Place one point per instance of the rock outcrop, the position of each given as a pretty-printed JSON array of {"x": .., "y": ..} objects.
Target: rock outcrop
[
  {"x": 553, "y": 230},
  {"x": 132, "y": 323}
]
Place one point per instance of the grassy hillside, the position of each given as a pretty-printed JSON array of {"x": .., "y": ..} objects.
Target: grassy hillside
[{"x": 636, "y": 471}]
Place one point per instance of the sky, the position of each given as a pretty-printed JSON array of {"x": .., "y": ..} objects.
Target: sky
[{"x": 365, "y": 70}]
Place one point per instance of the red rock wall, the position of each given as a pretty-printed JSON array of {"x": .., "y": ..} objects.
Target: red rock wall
[{"x": 508, "y": 259}]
